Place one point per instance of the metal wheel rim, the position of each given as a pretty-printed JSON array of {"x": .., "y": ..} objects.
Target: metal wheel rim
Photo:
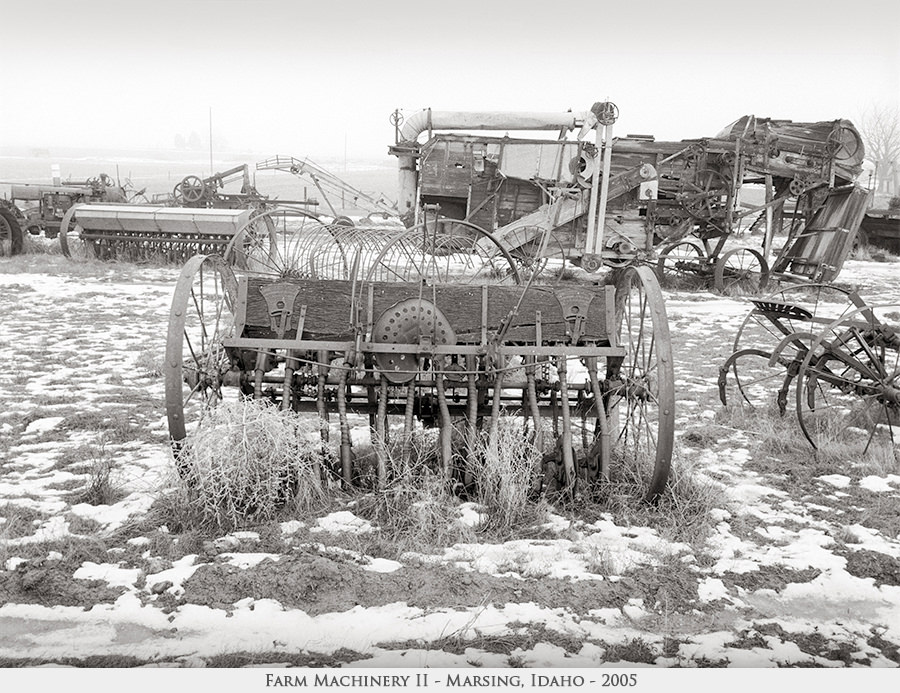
[
  {"x": 756, "y": 318},
  {"x": 668, "y": 275},
  {"x": 647, "y": 426},
  {"x": 805, "y": 404},
  {"x": 200, "y": 347},
  {"x": 422, "y": 264},
  {"x": 748, "y": 280},
  {"x": 11, "y": 239}
]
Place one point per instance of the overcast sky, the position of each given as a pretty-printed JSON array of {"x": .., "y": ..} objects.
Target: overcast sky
[{"x": 302, "y": 78}]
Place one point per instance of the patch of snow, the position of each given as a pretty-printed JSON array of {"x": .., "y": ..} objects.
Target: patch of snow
[
  {"x": 14, "y": 562},
  {"x": 343, "y": 521},
  {"x": 876, "y": 484},
  {"x": 291, "y": 526},
  {"x": 710, "y": 589},
  {"x": 248, "y": 560},
  {"x": 111, "y": 574},
  {"x": 836, "y": 480},
  {"x": 180, "y": 571},
  {"x": 469, "y": 515},
  {"x": 43, "y": 425},
  {"x": 114, "y": 516}
]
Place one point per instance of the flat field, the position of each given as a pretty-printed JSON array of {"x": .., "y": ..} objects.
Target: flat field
[{"x": 776, "y": 556}]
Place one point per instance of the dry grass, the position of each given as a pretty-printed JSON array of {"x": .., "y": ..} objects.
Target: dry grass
[
  {"x": 682, "y": 511},
  {"x": 507, "y": 474},
  {"x": 246, "y": 460},
  {"x": 100, "y": 489}
]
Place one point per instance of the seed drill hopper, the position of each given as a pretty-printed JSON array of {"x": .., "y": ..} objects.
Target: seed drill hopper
[{"x": 376, "y": 332}]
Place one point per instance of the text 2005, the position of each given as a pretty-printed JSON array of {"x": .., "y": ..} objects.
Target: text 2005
[{"x": 621, "y": 680}]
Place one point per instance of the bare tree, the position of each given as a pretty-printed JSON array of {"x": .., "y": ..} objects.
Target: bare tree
[{"x": 880, "y": 130}]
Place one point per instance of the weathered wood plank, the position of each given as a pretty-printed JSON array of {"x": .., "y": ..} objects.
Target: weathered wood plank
[{"x": 329, "y": 304}]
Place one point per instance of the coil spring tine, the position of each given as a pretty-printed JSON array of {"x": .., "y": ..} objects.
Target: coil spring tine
[
  {"x": 471, "y": 417},
  {"x": 261, "y": 359},
  {"x": 495, "y": 406},
  {"x": 322, "y": 358},
  {"x": 287, "y": 387},
  {"x": 533, "y": 405}
]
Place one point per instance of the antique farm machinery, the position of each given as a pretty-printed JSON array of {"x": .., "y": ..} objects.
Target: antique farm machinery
[
  {"x": 212, "y": 192},
  {"x": 683, "y": 197},
  {"x": 437, "y": 325},
  {"x": 812, "y": 164},
  {"x": 337, "y": 194},
  {"x": 826, "y": 351},
  {"x": 40, "y": 208},
  {"x": 200, "y": 216},
  {"x": 147, "y": 232}
]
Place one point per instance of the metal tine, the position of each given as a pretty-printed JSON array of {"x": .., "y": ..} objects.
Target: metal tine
[
  {"x": 408, "y": 426},
  {"x": 261, "y": 361},
  {"x": 568, "y": 459},
  {"x": 531, "y": 394},
  {"x": 346, "y": 441},
  {"x": 495, "y": 406},
  {"x": 471, "y": 417},
  {"x": 381, "y": 442},
  {"x": 287, "y": 388},
  {"x": 446, "y": 432},
  {"x": 602, "y": 421},
  {"x": 322, "y": 358}
]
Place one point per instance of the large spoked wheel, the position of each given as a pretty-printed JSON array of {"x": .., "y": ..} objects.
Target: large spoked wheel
[
  {"x": 72, "y": 240},
  {"x": 773, "y": 340},
  {"x": 11, "y": 241},
  {"x": 848, "y": 387},
  {"x": 682, "y": 266},
  {"x": 641, "y": 392},
  {"x": 741, "y": 272},
  {"x": 442, "y": 251},
  {"x": 287, "y": 242},
  {"x": 198, "y": 372}
]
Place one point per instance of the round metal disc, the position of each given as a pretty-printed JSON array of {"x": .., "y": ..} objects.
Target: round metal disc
[{"x": 407, "y": 322}]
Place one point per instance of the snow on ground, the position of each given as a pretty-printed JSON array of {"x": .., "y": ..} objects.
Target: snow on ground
[{"x": 788, "y": 574}]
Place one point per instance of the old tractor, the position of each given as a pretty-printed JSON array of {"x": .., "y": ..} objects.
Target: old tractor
[
  {"x": 40, "y": 208},
  {"x": 447, "y": 325}
]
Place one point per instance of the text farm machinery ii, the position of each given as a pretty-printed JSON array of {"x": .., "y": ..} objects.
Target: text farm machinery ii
[{"x": 439, "y": 325}]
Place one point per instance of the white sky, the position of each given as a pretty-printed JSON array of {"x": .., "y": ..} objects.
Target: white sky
[{"x": 298, "y": 77}]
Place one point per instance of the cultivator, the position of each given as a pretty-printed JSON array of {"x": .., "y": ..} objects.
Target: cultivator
[
  {"x": 840, "y": 355},
  {"x": 437, "y": 325}
]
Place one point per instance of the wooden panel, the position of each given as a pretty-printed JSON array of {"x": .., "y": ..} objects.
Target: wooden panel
[
  {"x": 446, "y": 169},
  {"x": 328, "y": 309}
]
